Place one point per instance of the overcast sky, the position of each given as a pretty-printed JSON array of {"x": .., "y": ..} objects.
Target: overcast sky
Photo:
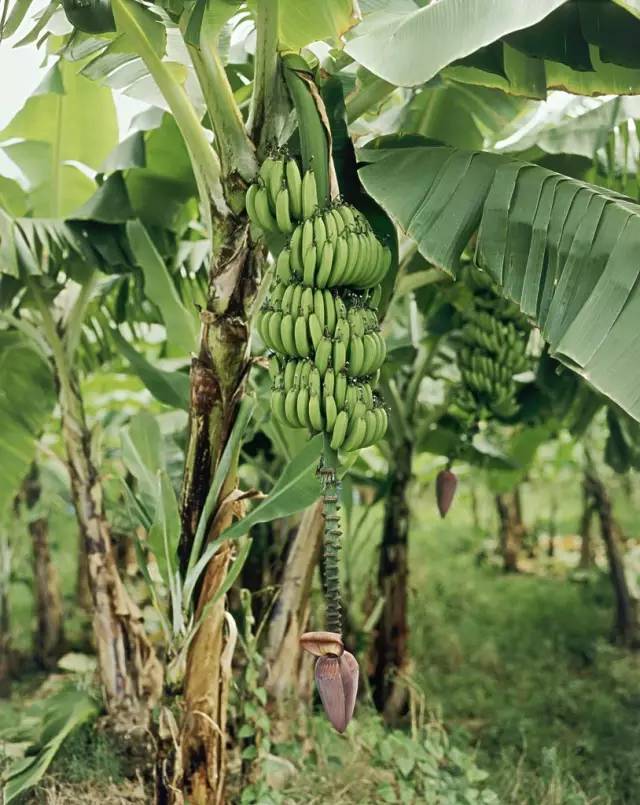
[{"x": 20, "y": 71}]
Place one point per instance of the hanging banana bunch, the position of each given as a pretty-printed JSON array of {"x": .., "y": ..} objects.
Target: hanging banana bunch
[
  {"x": 493, "y": 351},
  {"x": 493, "y": 348},
  {"x": 320, "y": 322},
  {"x": 320, "y": 318}
]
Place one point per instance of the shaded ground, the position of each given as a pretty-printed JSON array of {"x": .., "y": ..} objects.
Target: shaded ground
[
  {"x": 522, "y": 666},
  {"x": 518, "y": 668}
]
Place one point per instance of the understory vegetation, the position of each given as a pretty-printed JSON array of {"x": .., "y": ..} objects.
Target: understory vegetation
[
  {"x": 517, "y": 694},
  {"x": 320, "y": 402}
]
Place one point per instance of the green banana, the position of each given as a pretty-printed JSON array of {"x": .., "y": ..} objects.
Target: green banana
[
  {"x": 315, "y": 381},
  {"x": 319, "y": 233},
  {"x": 277, "y": 293},
  {"x": 309, "y": 266},
  {"x": 302, "y": 407},
  {"x": 371, "y": 424},
  {"x": 294, "y": 186},
  {"x": 330, "y": 412},
  {"x": 306, "y": 302},
  {"x": 319, "y": 306},
  {"x": 330, "y": 226},
  {"x": 291, "y": 407},
  {"x": 288, "y": 376},
  {"x": 340, "y": 390},
  {"x": 356, "y": 321},
  {"x": 306, "y": 242},
  {"x": 275, "y": 183},
  {"x": 250, "y": 203},
  {"x": 356, "y": 356},
  {"x": 343, "y": 332},
  {"x": 324, "y": 265},
  {"x": 328, "y": 383},
  {"x": 309, "y": 194},
  {"x": 351, "y": 398},
  {"x": 301, "y": 337},
  {"x": 274, "y": 367},
  {"x": 315, "y": 330},
  {"x": 296, "y": 299},
  {"x": 260, "y": 320},
  {"x": 265, "y": 170},
  {"x": 367, "y": 396},
  {"x": 315, "y": 413},
  {"x": 330, "y": 315},
  {"x": 323, "y": 354},
  {"x": 274, "y": 331},
  {"x": 263, "y": 211},
  {"x": 277, "y": 406},
  {"x": 287, "y": 298},
  {"x": 341, "y": 308},
  {"x": 338, "y": 221},
  {"x": 354, "y": 438},
  {"x": 339, "y": 430},
  {"x": 287, "y": 336},
  {"x": 295, "y": 249},
  {"x": 283, "y": 216},
  {"x": 339, "y": 355},
  {"x": 322, "y": 339},
  {"x": 283, "y": 267},
  {"x": 353, "y": 257},
  {"x": 346, "y": 213},
  {"x": 340, "y": 258},
  {"x": 297, "y": 377}
]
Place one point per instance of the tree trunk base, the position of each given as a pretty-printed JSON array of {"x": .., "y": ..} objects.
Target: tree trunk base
[{"x": 390, "y": 645}]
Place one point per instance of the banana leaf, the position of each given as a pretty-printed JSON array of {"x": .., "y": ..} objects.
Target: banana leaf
[{"x": 563, "y": 250}]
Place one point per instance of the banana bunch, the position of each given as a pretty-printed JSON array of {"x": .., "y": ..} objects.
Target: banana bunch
[
  {"x": 299, "y": 321},
  {"x": 320, "y": 319},
  {"x": 494, "y": 341},
  {"x": 334, "y": 247},
  {"x": 334, "y": 403},
  {"x": 281, "y": 196}
]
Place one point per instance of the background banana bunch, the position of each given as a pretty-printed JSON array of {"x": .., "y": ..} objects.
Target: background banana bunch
[
  {"x": 494, "y": 342},
  {"x": 320, "y": 319}
]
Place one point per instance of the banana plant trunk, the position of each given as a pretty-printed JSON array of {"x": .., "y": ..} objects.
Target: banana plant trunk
[
  {"x": 49, "y": 634},
  {"x": 83, "y": 590},
  {"x": 512, "y": 529},
  {"x": 5, "y": 617},
  {"x": 290, "y": 668},
  {"x": 585, "y": 529},
  {"x": 391, "y": 649},
  {"x": 130, "y": 672},
  {"x": 218, "y": 377},
  {"x": 626, "y": 628}
]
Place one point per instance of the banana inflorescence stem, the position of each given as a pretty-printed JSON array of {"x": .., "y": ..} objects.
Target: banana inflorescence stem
[{"x": 328, "y": 472}]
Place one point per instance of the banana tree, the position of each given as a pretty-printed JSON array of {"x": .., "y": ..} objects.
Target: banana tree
[
  {"x": 507, "y": 51},
  {"x": 58, "y": 296}
]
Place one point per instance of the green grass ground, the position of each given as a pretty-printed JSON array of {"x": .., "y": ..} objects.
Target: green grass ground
[
  {"x": 521, "y": 665},
  {"x": 517, "y": 668}
]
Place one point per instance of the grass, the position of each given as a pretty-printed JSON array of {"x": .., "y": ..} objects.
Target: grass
[
  {"x": 521, "y": 665},
  {"x": 517, "y": 668}
]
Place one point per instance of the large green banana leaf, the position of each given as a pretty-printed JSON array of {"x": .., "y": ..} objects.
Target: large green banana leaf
[
  {"x": 566, "y": 252},
  {"x": 27, "y": 398},
  {"x": 520, "y": 46},
  {"x": 409, "y": 48},
  {"x": 67, "y": 120}
]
